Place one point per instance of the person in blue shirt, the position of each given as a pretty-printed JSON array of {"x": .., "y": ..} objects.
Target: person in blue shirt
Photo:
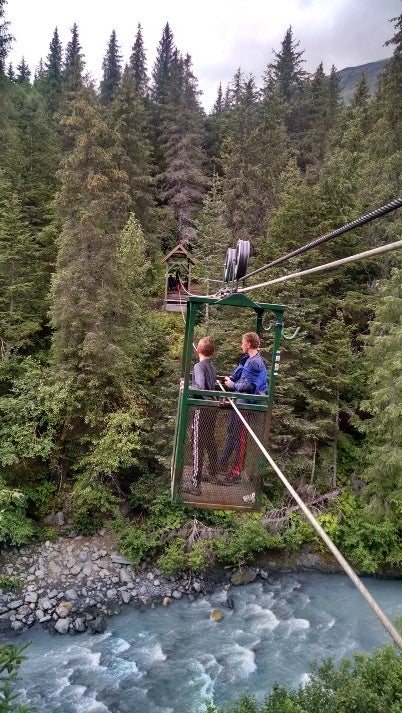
[{"x": 249, "y": 377}]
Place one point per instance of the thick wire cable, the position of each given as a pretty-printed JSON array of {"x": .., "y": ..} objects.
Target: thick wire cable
[
  {"x": 327, "y": 266},
  {"x": 388, "y": 208},
  {"x": 332, "y": 547}
]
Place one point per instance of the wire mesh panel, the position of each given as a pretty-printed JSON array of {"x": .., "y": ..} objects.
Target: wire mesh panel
[{"x": 222, "y": 465}]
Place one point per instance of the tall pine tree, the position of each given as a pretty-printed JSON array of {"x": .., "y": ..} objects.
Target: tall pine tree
[{"x": 111, "y": 70}]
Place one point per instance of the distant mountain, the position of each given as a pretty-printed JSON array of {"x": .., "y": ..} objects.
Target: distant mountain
[{"x": 351, "y": 75}]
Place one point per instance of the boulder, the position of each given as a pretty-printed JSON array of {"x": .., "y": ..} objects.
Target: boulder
[
  {"x": 216, "y": 615},
  {"x": 243, "y": 575}
]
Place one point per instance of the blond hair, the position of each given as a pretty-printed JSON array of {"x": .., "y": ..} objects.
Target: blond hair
[
  {"x": 206, "y": 347},
  {"x": 252, "y": 338}
]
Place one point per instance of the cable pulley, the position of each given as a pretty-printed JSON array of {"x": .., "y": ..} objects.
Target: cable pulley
[
  {"x": 230, "y": 265},
  {"x": 236, "y": 261},
  {"x": 242, "y": 255}
]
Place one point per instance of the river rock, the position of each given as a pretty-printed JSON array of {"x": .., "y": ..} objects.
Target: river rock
[
  {"x": 216, "y": 615},
  {"x": 98, "y": 625},
  {"x": 62, "y": 625},
  {"x": 243, "y": 575},
  {"x": 64, "y": 609}
]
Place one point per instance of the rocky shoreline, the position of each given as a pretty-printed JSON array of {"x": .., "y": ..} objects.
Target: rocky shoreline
[{"x": 75, "y": 583}]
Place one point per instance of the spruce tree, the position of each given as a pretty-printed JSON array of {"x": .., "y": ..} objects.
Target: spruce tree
[
  {"x": 5, "y": 39},
  {"x": 254, "y": 153},
  {"x": 51, "y": 81},
  {"x": 93, "y": 206},
  {"x": 130, "y": 121},
  {"x": 20, "y": 293},
  {"x": 24, "y": 73},
  {"x": 73, "y": 64},
  {"x": 383, "y": 471},
  {"x": 213, "y": 238},
  {"x": 138, "y": 65},
  {"x": 287, "y": 69},
  {"x": 162, "y": 69},
  {"x": 111, "y": 70},
  {"x": 240, "y": 159},
  {"x": 183, "y": 181}
]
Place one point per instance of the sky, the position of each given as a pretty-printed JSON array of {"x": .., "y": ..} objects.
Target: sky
[{"x": 219, "y": 35}]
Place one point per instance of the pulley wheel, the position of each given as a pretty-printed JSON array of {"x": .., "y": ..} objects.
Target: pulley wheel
[
  {"x": 242, "y": 255},
  {"x": 230, "y": 264}
]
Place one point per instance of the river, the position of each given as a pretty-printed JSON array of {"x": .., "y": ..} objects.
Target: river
[{"x": 170, "y": 660}]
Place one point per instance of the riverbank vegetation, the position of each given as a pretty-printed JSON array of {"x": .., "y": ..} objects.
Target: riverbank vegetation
[
  {"x": 96, "y": 185},
  {"x": 372, "y": 682}
]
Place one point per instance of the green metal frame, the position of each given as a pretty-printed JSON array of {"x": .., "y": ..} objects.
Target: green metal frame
[{"x": 186, "y": 395}]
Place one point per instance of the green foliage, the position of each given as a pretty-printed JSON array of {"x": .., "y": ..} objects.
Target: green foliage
[
  {"x": 93, "y": 502},
  {"x": 372, "y": 683},
  {"x": 137, "y": 543},
  {"x": 41, "y": 496},
  {"x": 174, "y": 556},
  {"x": 296, "y": 532},
  {"x": 31, "y": 410},
  {"x": 10, "y": 583},
  {"x": 243, "y": 542},
  {"x": 15, "y": 527},
  {"x": 11, "y": 657}
]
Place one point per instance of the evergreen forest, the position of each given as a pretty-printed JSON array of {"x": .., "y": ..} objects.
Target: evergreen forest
[{"x": 97, "y": 184}]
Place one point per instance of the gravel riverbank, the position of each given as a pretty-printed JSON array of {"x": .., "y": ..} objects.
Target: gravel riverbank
[{"x": 73, "y": 584}]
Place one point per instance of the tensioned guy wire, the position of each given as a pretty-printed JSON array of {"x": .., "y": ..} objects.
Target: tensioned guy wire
[
  {"x": 331, "y": 546},
  {"x": 388, "y": 208},
  {"x": 327, "y": 266}
]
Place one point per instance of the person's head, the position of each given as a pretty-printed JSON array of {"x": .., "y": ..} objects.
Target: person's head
[
  {"x": 206, "y": 347},
  {"x": 250, "y": 340}
]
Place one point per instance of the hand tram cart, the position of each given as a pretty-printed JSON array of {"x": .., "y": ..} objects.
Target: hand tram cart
[{"x": 219, "y": 422}]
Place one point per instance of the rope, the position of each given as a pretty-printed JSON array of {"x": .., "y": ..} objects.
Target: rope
[
  {"x": 337, "y": 554},
  {"x": 327, "y": 266},
  {"x": 393, "y": 205}
]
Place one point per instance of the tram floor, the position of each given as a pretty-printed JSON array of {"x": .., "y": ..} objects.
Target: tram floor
[{"x": 215, "y": 495}]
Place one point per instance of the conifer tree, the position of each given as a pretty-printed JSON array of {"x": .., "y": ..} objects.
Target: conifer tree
[
  {"x": 73, "y": 63},
  {"x": 5, "y": 39},
  {"x": 51, "y": 81},
  {"x": 111, "y": 70},
  {"x": 138, "y": 65},
  {"x": 254, "y": 153},
  {"x": 287, "y": 69},
  {"x": 93, "y": 205},
  {"x": 24, "y": 73},
  {"x": 240, "y": 158},
  {"x": 129, "y": 119},
  {"x": 183, "y": 180},
  {"x": 319, "y": 110},
  {"x": 383, "y": 471},
  {"x": 162, "y": 69},
  {"x": 20, "y": 293},
  {"x": 286, "y": 73},
  {"x": 38, "y": 158},
  {"x": 381, "y": 179},
  {"x": 213, "y": 236}
]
